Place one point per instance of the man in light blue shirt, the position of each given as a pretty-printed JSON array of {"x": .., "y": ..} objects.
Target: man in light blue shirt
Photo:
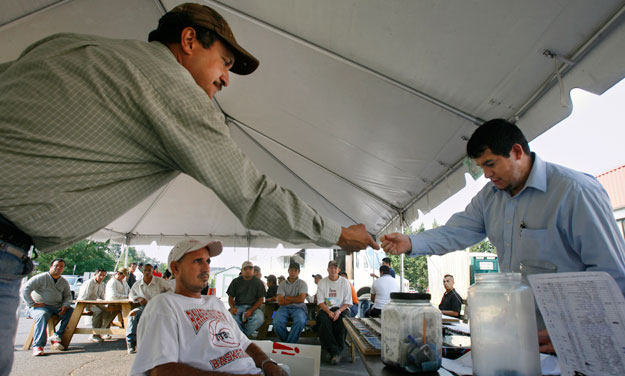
[{"x": 531, "y": 210}]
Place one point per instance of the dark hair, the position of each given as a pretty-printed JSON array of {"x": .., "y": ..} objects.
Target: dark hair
[
  {"x": 499, "y": 136},
  {"x": 101, "y": 270},
  {"x": 387, "y": 260},
  {"x": 150, "y": 265},
  {"x": 385, "y": 269},
  {"x": 58, "y": 259},
  {"x": 171, "y": 25},
  {"x": 343, "y": 273},
  {"x": 448, "y": 275},
  {"x": 133, "y": 263},
  {"x": 167, "y": 274}
]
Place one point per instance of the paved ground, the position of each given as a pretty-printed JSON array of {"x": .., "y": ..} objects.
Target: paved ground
[{"x": 110, "y": 358}]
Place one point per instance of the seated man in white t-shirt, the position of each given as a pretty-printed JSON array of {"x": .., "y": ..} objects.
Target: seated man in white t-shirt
[
  {"x": 334, "y": 295},
  {"x": 188, "y": 333},
  {"x": 381, "y": 291}
]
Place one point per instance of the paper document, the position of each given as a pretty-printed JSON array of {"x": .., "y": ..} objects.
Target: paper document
[{"x": 585, "y": 315}]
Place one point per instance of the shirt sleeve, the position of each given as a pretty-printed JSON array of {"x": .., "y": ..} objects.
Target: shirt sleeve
[
  {"x": 198, "y": 142},
  {"x": 31, "y": 286},
  {"x": 231, "y": 291},
  {"x": 321, "y": 287},
  {"x": 303, "y": 287},
  {"x": 461, "y": 230},
  {"x": 160, "y": 346},
  {"x": 260, "y": 290},
  {"x": 135, "y": 292},
  {"x": 280, "y": 291},
  {"x": 594, "y": 234},
  {"x": 67, "y": 294}
]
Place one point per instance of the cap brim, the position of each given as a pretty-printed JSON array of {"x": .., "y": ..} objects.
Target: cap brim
[
  {"x": 244, "y": 62},
  {"x": 214, "y": 248}
]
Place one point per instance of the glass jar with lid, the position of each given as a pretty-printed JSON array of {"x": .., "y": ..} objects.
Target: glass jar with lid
[
  {"x": 411, "y": 333},
  {"x": 504, "y": 339}
]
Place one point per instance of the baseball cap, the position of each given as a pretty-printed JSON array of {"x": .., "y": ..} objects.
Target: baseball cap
[
  {"x": 281, "y": 277},
  {"x": 317, "y": 276},
  {"x": 270, "y": 277},
  {"x": 190, "y": 245},
  {"x": 247, "y": 264},
  {"x": 256, "y": 268},
  {"x": 206, "y": 17},
  {"x": 333, "y": 263}
]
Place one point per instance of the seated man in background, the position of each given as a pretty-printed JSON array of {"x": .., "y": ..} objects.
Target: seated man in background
[
  {"x": 94, "y": 289},
  {"x": 292, "y": 300},
  {"x": 51, "y": 297},
  {"x": 245, "y": 296},
  {"x": 335, "y": 297},
  {"x": 451, "y": 303},
  {"x": 116, "y": 287},
  {"x": 353, "y": 309},
  {"x": 381, "y": 291},
  {"x": 195, "y": 335},
  {"x": 141, "y": 292},
  {"x": 385, "y": 261},
  {"x": 272, "y": 288}
]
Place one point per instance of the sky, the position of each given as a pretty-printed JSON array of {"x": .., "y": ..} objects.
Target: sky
[{"x": 591, "y": 140}]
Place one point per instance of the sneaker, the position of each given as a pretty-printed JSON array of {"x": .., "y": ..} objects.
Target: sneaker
[
  {"x": 336, "y": 359},
  {"x": 56, "y": 345},
  {"x": 38, "y": 351},
  {"x": 131, "y": 348},
  {"x": 133, "y": 312},
  {"x": 106, "y": 336},
  {"x": 95, "y": 338},
  {"x": 55, "y": 338}
]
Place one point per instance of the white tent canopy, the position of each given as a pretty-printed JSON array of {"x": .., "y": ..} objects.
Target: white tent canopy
[{"x": 361, "y": 107}]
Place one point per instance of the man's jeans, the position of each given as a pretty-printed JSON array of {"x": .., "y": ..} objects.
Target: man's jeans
[
  {"x": 11, "y": 274},
  {"x": 131, "y": 332},
  {"x": 298, "y": 317},
  {"x": 253, "y": 322},
  {"x": 42, "y": 315}
]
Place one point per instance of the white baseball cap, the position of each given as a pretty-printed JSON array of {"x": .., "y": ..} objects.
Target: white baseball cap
[{"x": 190, "y": 245}]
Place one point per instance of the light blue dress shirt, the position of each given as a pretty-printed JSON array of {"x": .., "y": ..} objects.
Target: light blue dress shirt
[{"x": 561, "y": 216}]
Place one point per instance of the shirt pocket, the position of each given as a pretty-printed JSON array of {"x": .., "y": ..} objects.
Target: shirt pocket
[{"x": 533, "y": 243}]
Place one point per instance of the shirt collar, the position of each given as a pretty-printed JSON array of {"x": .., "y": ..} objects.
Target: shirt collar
[{"x": 537, "y": 178}]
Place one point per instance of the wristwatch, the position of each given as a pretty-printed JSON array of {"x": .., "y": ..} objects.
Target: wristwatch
[{"x": 268, "y": 360}]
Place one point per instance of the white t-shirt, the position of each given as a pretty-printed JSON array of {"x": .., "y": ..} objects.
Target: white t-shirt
[
  {"x": 334, "y": 293},
  {"x": 382, "y": 288},
  {"x": 198, "y": 332}
]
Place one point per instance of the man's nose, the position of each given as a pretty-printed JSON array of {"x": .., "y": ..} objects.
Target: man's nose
[{"x": 225, "y": 78}]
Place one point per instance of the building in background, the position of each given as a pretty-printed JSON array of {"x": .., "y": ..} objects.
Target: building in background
[{"x": 614, "y": 182}]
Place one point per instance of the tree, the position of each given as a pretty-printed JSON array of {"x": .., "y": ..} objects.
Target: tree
[
  {"x": 485, "y": 246},
  {"x": 85, "y": 256},
  {"x": 415, "y": 268}
]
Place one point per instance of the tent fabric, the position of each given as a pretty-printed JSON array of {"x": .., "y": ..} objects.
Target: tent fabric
[{"x": 361, "y": 107}]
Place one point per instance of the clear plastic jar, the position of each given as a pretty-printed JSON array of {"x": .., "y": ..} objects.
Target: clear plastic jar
[
  {"x": 504, "y": 339},
  {"x": 412, "y": 333}
]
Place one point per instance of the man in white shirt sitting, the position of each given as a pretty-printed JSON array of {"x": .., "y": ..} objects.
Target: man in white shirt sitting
[
  {"x": 94, "y": 289},
  {"x": 196, "y": 334},
  {"x": 116, "y": 287},
  {"x": 381, "y": 291},
  {"x": 141, "y": 292},
  {"x": 334, "y": 295}
]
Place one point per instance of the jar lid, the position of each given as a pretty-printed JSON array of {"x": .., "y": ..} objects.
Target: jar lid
[{"x": 410, "y": 296}]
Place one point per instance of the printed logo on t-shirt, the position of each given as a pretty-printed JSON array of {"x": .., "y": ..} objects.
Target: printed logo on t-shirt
[
  {"x": 219, "y": 330},
  {"x": 227, "y": 358},
  {"x": 332, "y": 293}
]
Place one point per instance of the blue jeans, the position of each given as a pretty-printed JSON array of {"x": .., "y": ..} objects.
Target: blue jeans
[
  {"x": 12, "y": 270},
  {"x": 131, "y": 331},
  {"x": 253, "y": 322},
  {"x": 42, "y": 315},
  {"x": 297, "y": 315},
  {"x": 354, "y": 309}
]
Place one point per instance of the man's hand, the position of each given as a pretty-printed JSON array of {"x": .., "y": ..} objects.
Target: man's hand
[
  {"x": 38, "y": 305},
  {"x": 142, "y": 301},
  {"x": 544, "y": 342},
  {"x": 354, "y": 238},
  {"x": 233, "y": 310},
  {"x": 248, "y": 313},
  {"x": 396, "y": 243},
  {"x": 336, "y": 314},
  {"x": 62, "y": 310},
  {"x": 272, "y": 369}
]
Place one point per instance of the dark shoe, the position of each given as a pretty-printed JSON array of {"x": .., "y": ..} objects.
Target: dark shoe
[{"x": 336, "y": 359}]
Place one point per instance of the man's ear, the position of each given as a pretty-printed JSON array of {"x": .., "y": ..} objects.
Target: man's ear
[
  {"x": 174, "y": 267},
  {"x": 517, "y": 151},
  {"x": 187, "y": 39}
]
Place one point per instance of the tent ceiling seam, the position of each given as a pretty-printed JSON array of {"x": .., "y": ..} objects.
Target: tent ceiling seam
[
  {"x": 240, "y": 125},
  {"x": 156, "y": 200},
  {"x": 437, "y": 102},
  {"x": 26, "y": 15},
  {"x": 368, "y": 193},
  {"x": 569, "y": 63}
]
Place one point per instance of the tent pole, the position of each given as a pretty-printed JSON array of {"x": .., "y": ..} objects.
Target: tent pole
[{"x": 401, "y": 257}]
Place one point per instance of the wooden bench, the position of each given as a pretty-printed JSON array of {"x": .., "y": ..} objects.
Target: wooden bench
[
  {"x": 54, "y": 320},
  {"x": 270, "y": 307},
  {"x": 122, "y": 306}
]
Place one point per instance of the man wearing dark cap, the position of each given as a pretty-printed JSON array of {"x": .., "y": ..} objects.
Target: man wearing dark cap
[
  {"x": 118, "y": 120},
  {"x": 281, "y": 279},
  {"x": 292, "y": 300},
  {"x": 187, "y": 333},
  {"x": 272, "y": 288},
  {"x": 334, "y": 297}
]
